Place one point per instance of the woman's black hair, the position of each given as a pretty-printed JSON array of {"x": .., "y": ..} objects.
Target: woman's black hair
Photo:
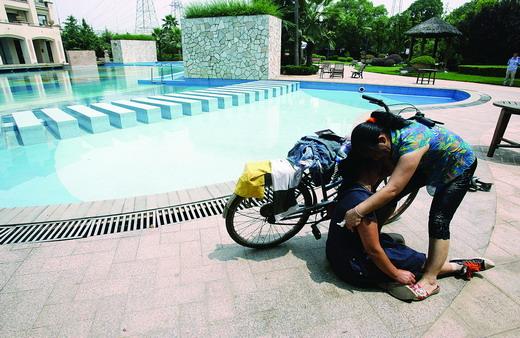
[
  {"x": 365, "y": 135},
  {"x": 351, "y": 169}
]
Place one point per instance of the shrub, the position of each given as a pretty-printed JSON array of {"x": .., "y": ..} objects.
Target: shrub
[
  {"x": 232, "y": 8},
  {"x": 129, "y": 36},
  {"x": 343, "y": 59},
  {"x": 396, "y": 57},
  {"x": 377, "y": 62},
  {"x": 381, "y": 56},
  {"x": 369, "y": 56},
  {"x": 423, "y": 60},
  {"x": 498, "y": 71},
  {"x": 349, "y": 59},
  {"x": 299, "y": 70},
  {"x": 333, "y": 57},
  {"x": 318, "y": 56},
  {"x": 169, "y": 57},
  {"x": 388, "y": 62}
]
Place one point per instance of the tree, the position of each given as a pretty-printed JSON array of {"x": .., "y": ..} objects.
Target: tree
[
  {"x": 490, "y": 30},
  {"x": 422, "y": 10},
  {"x": 71, "y": 34},
  {"x": 355, "y": 23},
  {"x": 168, "y": 38},
  {"x": 312, "y": 27}
]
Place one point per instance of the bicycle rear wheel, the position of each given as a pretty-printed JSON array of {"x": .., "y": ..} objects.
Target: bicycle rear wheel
[
  {"x": 246, "y": 225},
  {"x": 402, "y": 205}
]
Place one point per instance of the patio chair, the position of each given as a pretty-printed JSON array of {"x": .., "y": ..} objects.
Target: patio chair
[
  {"x": 325, "y": 69},
  {"x": 358, "y": 73},
  {"x": 338, "y": 70}
]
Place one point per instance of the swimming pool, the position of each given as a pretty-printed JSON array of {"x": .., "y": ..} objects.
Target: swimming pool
[
  {"x": 186, "y": 152},
  {"x": 80, "y": 85}
]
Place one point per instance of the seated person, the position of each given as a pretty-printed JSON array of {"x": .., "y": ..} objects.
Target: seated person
[{"x": 365, "y": 257}]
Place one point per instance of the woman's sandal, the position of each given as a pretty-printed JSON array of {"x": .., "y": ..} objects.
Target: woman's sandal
[{"x": 414, "y": 292}]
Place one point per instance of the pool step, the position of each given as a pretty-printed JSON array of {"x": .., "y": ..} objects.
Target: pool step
[
  {"x": 98, "y": 117},
  {"x": 237, "y": 99},
  {"x": 119, "y": 117},
  {"x": 61, "y": 124},
  {"x": 169, "y": 110},
  {"x": 224, "y": 101},
  {"x": 144, "y": 112},
  {"x": 208, "y": 103},
  {"x": 189, "y": 107},
  {"x": 89, "y": 119},
  {"x": 30, "y": 129}
]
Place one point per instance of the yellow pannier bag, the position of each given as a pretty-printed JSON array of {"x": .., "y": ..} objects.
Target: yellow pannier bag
[{"x": 252, "y": 182}]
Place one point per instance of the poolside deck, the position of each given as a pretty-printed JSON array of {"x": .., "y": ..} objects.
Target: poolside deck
[{"x": 190, "y": 279}]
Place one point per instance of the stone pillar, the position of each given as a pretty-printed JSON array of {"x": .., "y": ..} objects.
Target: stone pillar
[
  {"x": 28, "y": 52},
  {"x": 33, "y": 15},
  {"x": 3, "y": 13}
]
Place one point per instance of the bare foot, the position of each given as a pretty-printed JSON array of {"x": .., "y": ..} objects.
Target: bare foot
[{"x": 428, "y": 285}]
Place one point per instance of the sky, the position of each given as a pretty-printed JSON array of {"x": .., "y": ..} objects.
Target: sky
[{"x": 119, "y": 15}]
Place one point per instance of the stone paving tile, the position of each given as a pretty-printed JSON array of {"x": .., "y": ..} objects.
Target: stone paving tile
[
  {"x": 126, "y": 249},
  {"x": 481, "y": 300},
  {"x": 505, "y": 277},
  {"x": 59, "y": 314},
  {"x": 76, "y": 329},
  {"x": 27, "y": 282},
  {"x": 508, "y": 334},
  {"x": 151, "y": 322},
  {"x": 6, "y": 271},
  {"x": 19, "y": 310}
]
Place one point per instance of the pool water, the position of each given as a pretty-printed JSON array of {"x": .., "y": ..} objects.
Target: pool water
[
  {"x": 188, "y": 152},
  {"x": 81, "y": 85}
]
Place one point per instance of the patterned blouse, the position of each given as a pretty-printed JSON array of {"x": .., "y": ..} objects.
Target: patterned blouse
[{"x": 447, "y": 158}]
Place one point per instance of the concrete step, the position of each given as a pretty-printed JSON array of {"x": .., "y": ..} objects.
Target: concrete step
[
  {"x": 275, "y": 90},
  {"x": 89, "y": 119},
  {"x": 238, "y": 99},
  {"x": 119, "y": 117},
  {"x": 294, "y": 86},
  {"x": 259, "y": 92},
  {"x": 30, "y": 129},
  {"x": 208, "y": 103},
  {"x": 169, "y": 110},
  {"x": 144, "y": 112},
  {"x": 61, "y": 124},
  {"x": 189, "y": 107},
  {"x": 249, "y": 95},
  {"x": 265, "y": 93},
  {"x": 224, "y": 101}
]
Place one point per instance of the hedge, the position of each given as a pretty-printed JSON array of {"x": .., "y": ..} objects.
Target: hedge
[
  {"x": 232, "y": 8},
  {"x": 424, "y": 60},
  {"x": 496, "y": 70},
  {"x": 299, "y": 70},
  {"x": 345, "y": 59},
  {"x": 129, "y": 36}
]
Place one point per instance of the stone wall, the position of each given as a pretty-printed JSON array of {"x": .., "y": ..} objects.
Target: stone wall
[
  {"x": 81, "y": 58},
  {"x": 126, "y": 51},
  {"x": 232, "y": 47}
]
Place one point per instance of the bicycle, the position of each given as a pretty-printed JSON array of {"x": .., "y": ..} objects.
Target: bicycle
[{"x": 251, "y": 222}]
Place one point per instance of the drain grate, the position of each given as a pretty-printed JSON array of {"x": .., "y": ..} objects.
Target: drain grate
[{"x": 96, "y": 226}]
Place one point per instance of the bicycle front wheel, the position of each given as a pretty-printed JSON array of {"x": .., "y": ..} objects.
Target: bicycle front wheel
[{"x": 246, "y": 225}]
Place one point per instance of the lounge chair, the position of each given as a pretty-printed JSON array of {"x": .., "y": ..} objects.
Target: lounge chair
[
  {"x": 358, "y": 73},
  {"x": 338, "y": 70},
  {"x": 325, "y": 69}
]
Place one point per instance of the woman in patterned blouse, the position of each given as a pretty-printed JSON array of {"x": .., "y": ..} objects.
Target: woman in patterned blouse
[{"x": 420, "y": 156}]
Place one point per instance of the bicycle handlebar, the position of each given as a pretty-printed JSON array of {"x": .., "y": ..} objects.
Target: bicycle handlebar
[{"x": 378, "y": 102}]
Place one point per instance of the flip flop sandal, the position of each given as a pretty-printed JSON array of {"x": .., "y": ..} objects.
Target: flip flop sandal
[{"x": 413, "y": 292}]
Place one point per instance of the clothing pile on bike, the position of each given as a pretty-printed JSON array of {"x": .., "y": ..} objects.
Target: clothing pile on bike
[{"x": 318, "y": 154}]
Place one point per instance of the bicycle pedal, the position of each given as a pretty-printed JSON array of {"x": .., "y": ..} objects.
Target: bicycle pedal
[{"x": 316, "y": 232}]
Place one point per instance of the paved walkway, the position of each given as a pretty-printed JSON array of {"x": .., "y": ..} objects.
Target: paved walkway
[{"x": 190, "y": 279}]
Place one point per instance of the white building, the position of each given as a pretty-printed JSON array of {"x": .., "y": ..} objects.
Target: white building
[{"x": 29, "y": 33}]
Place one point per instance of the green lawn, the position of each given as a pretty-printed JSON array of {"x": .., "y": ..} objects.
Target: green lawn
[{"x": 454, "y": 76}]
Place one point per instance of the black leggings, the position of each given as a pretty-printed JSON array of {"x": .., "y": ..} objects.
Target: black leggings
[{"x": 445, "y": 201}]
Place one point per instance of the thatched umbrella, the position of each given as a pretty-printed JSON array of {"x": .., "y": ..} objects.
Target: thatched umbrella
[{"x": 434, "y": 28}]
